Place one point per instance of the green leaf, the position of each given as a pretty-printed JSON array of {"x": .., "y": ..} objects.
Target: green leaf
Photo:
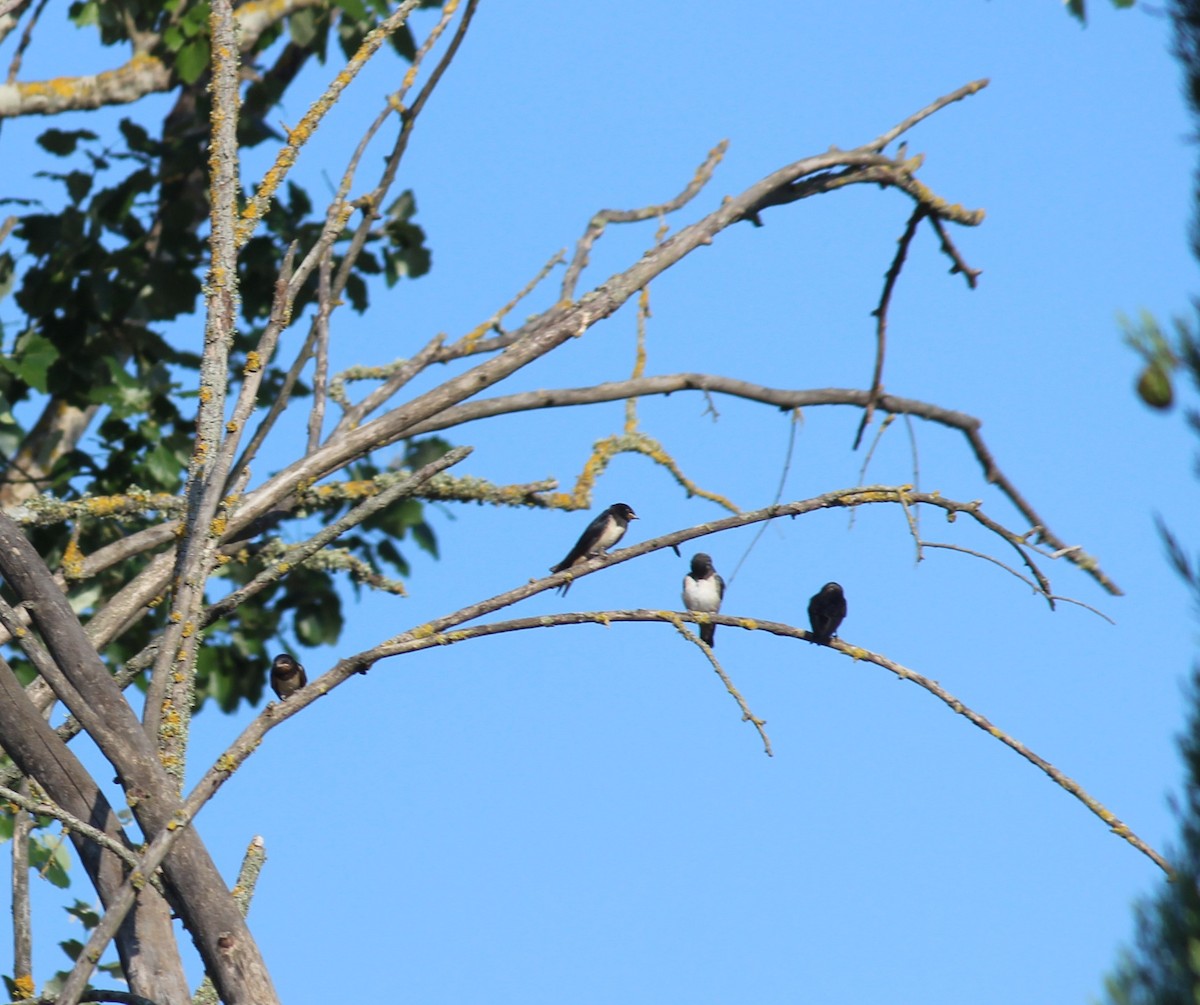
[
  {"x": 72, "y": 947},
  {"x": 50, "y": 857},
  {"x": 32, "y": 358},
  {"x": 403, "y": 42},
  {"x": 137, "y": 138},
  {"x": 62, "y": 142},
  {"x": 423, "y": 535},
  {"x": 192, "y": 60},
  {"x": 12, "y": 435},
  {"x": 79, "y": 184},
  {"x": 125, "y": 394},
  {"x": 7, "y": 274},
  {"x": 86, "y": 914},
  {"x": 164, "y": 466},
  {"x": 302, "y": 26},
  {"x": 355, "y": 9}
]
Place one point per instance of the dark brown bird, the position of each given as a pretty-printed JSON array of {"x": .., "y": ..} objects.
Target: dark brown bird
[
  {"x": 599, "y": 535},
  {"x": 287, "y": 676},
  {"x": 825, "y": 613}
]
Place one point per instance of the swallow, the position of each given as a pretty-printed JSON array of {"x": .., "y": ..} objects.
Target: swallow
[
  {"x": 287, "y": 676},
  {"x": 702, "y": 591},
  {"x": 601, "y": 534},
  {"x": 825, "y": 613}
]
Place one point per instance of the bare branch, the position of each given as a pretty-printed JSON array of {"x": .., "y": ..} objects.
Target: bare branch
[
  {"x": 896, "y": 131},
  {"x": 948, "y": 247},
  {"x": 881, "y": 315},
  {"x": 784, "y": 399},
  {"x": 14, "y": 66},
  {"x": 149, "y": 954},
  {"x": 474, "y": 342},
  {"x": 598, "y": 223},
  {"x": 747, "y": 715},
  {"x": 424, "y": 638}
]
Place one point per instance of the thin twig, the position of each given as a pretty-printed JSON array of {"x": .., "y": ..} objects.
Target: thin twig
[
  {"x": 598, "y": 223},
  {"x": 747, "y": 715},
  {"x": 965, "y": 91},
  {"x": 960, "y": 265},
  {"x": 881, "y": 316},
  {"x": 401, "y": 376},
  {"x": 45, "y": 808},
  {"x": 783, "y": 477},
  {"x": 916, "y": 462},
  {"x": 474, "y": 342},
  {"x": 875, "y": 441},
  {"x": 14, "y": 67},
  {"x": 316, "y": 415}
]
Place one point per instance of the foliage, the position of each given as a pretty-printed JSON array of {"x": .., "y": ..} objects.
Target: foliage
[{"x": 103, "y": 273}]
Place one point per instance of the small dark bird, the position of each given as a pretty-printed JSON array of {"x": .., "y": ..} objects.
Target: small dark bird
[
  {"x": 601, "y": 534},
  {"x": 287, "y": 676},
  {"x": 702, "y": 591},
  {"x": 825, "y": 613}
]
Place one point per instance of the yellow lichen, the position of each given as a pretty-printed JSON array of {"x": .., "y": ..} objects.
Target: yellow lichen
[{"x": 72, "y": 560}]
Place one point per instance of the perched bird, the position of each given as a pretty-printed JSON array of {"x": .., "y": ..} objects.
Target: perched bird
[
  {"x": 601, "y": 534},
  {"x": 702, "y": 591},
  {"x": 287, "y": 676},
  {"x": 825, "y": 612}
]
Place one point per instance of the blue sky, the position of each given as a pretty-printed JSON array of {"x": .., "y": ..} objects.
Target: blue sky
[{"x": 578, "y": 814}]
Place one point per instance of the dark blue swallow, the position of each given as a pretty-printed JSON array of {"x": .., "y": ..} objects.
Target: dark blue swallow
[
  {"x": 825, "y": 613},
  {"x": 702, "y": 591},
  {"x": 601, "y": 534},
  {"x": 287, "y": 676}
]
